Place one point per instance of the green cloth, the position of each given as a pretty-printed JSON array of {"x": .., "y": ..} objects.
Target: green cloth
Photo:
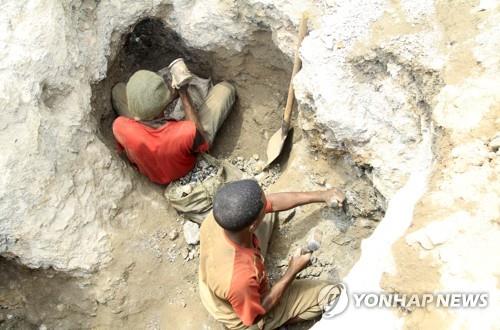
[
  {"x": 198, "y": 203},
  {"x": 147, "y": 95}
]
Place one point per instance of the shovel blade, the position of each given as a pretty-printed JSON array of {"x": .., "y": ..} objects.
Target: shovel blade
[{"x": 275, "y": 146}]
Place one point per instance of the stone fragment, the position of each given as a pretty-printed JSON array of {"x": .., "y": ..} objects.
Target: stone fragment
[
  {"x": 318, "y": 180},
  {"x": 185, "y": 253},
  {"x": 314, "y": 241},
  {"x": 173, "y": 234},
  {"x": 258, "y": 167},
  {"x": 495, "y": 143},
  {"x": 364, "y": 222},
  {"x": 191, "y": 232}
]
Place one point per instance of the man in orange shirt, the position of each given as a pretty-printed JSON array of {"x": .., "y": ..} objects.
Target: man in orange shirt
[
  {"x": 233, "y": 282},
  {"x": 166, "y": 150}
]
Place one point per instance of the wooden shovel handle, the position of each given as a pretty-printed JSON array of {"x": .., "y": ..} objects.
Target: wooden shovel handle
[{"x": 296, "y": 67}]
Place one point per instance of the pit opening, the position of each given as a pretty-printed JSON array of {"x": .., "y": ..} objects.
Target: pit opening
[{"x": 260, "y": 72}]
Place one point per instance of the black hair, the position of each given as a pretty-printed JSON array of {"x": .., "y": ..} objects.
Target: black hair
[{"x": 237, "y": 204}]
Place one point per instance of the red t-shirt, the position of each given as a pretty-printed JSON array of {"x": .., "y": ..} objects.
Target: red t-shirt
[{"x": 163, "y": 154}]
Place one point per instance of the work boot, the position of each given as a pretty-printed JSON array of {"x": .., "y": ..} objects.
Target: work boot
[{"x": 180, "y": 73}]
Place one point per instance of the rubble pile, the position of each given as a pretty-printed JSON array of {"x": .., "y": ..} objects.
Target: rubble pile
[
  {"x": 256, "y": 168},
  {"x": 200, "y": 173}
]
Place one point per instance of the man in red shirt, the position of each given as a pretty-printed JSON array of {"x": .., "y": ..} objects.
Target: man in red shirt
[
  {"x": 233, "y": 281},
  {"x": 165, "y": 150}
]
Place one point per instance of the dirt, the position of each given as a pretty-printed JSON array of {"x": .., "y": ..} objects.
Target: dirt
[
  {"x": 342, "y": 231},
  {"x": 151, "y": 283}
]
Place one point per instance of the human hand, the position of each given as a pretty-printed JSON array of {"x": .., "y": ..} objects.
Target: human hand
[
  {"x": 334, "y": 197},
  {"x": 299, "y": 262}
]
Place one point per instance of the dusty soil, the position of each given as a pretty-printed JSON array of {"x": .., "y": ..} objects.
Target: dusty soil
[{"x": 150, "y": 283}]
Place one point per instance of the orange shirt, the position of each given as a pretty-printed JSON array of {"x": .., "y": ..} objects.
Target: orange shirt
[
  {"x": 232, "y": 278},
  {"x": 163, "y": 154}
]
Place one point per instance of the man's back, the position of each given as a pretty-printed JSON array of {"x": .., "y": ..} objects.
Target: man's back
[
  {"x": 232, "y": 278},
  {"x": 163, "y": 154}
]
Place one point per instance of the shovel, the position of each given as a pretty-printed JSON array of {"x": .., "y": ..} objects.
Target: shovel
[{"x": 275, "y": 144}]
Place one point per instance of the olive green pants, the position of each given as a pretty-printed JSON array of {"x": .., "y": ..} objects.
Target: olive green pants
[
  {"x": 212, "y": 112},
  {"x": 304, "y": 299}
]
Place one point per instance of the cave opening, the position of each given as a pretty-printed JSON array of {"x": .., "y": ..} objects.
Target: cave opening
[{"x": 260, "y": 72}]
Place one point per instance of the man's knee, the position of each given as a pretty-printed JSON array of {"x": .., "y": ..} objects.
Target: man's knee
[
  {"x": 328, "y": 293},
  {"x": 226, "y": 90},
  {"x": 229, "y": 86}
]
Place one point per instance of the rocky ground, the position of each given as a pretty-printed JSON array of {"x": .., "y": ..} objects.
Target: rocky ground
[{"x": 152, "y": 280}]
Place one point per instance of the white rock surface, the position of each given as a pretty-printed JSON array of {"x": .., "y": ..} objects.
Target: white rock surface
[
  {"x": 368, "y": 101},
  {"x": 191, "y": 232}
]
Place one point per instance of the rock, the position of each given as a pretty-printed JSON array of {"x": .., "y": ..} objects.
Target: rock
[
  {"x": 192, "y": 254},
  {"x": 191, "y": 232},
  {"x": 364, "y": 222},
  {"x": 333, "y": 203},
  {"x": 173, "y": 234},
  {"x": 258, "y": 167},
  {"x": 255, "y": 156},
  {"x": 319, "y": 180},
  {"x": 185, "y": 254},
  {"x": 283, "y": 263},
  {"x": 314, "y": 241},
  {"x": 315, "y": 271},
  {"x": 495, "y": 144}
]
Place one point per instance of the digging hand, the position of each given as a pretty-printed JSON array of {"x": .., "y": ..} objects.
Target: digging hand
[
  {"x": 298, "y": 263},
  {"x": 334, "y": 197}
]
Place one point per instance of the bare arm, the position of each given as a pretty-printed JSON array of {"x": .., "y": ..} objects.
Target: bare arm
[
  {"x": 295, "y": 266},
  {"x": 288, "y": 200},
  {"x": 191, "y": 113}
]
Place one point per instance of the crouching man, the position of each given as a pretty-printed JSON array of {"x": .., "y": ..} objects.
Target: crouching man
[
  {"x": 165, "y": 150},
  {"x": 233, "y": 281}
]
